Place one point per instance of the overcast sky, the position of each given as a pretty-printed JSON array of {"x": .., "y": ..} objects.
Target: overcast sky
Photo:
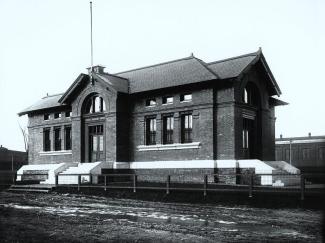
[{"x": 45, "y": 45}]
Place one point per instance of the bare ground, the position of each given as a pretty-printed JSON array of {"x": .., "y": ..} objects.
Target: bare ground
[{"x": 78, "y": 218}]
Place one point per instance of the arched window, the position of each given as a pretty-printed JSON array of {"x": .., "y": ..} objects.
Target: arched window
[
  {"x": 95, "y": 104},
  {"x": 251, "y": 95}
]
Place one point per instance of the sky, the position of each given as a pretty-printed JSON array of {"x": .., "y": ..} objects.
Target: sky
[{"x": 45, "y": 45}]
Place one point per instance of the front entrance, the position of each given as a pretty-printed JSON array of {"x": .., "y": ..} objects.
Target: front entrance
[{"x": 96, "y": 143}]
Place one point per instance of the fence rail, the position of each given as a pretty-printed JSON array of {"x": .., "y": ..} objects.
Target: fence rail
[{"x": 131, "y": 182}]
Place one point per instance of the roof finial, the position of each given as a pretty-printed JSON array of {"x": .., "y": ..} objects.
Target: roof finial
[{"x": 192, "y": 55}]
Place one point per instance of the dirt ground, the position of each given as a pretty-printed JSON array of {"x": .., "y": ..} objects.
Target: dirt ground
[{"x": 79, "y": 218}]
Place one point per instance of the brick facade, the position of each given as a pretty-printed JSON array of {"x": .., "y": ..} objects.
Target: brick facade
[{"x": 216, "y": 107}]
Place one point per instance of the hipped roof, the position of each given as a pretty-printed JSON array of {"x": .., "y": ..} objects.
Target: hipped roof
[{"x": 174, "y": 73}]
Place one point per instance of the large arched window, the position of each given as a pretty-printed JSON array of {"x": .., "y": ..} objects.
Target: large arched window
[
  {"x": 95, "y": 104},
  {"x": 251, "y": 95}
]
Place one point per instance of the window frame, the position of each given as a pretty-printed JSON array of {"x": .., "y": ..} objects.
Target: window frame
[
  {"x": 47, "y": 139},
  {"x": 47, "y": 116},
  {"x": 57, "y": 115},
  {"x": 67, "y": 145},
  {"x": 148, "y": 102},
  {"x": 57, "y": 140},
  {"x": 94, "y": 102},
  {"x": 168, "y": 129},
  {"x": 150, "y": 130},
  {"x": 187, "y": 127},
  {"x": 182, "y": 97},
  {"x": 68, "y": 114},
  {"x": 165, "y": 100}
]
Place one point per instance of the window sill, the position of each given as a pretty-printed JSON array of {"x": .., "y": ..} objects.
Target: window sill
[
  {"x": 174, "y": 146},
  {"x": 61, "y": 152}
]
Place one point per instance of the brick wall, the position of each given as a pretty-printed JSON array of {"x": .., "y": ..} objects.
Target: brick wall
[
  {"x": 35, "y": 133},
  {"x": 201, "y": 107}
]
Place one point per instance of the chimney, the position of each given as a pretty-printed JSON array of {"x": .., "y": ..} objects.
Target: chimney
[
  {"x": 280, "y": 136},
  {"x": 309, "y": 134},
  {"x": 97, "y": 69}
]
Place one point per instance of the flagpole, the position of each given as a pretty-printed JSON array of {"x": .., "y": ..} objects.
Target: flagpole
[{"x": 91, "y": 42}]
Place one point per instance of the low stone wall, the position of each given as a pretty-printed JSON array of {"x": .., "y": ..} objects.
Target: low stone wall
[{"x": 193, "y": 175}]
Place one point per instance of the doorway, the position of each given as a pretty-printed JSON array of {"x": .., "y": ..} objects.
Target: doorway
[{"x": 96, "y": 143}]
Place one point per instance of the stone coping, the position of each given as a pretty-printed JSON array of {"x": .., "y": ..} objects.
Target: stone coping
[
  {"x": 60, "y": 152},
  {"x": 194, "y": 145}
]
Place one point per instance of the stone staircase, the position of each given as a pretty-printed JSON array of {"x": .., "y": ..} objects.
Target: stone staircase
[
  {"x": 31, "y": 188},
  {"x": 70, "y": 175}
]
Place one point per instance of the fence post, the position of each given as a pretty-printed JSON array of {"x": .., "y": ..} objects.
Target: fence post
[
  {"x": 56, "y": 180},
  {"x": 79, "y": 182},
  {"x": 302, "y": 187},
  {"x": 90, "y": 179},
  {"x": 134, "y": 183},
  {"x": 250, "y": 190},
  {"x": 168, "y": 185},
  {"x": 205, "y": 186},
  {"x": 14, "y": 178},
  {"x": 105, "y": 182}
]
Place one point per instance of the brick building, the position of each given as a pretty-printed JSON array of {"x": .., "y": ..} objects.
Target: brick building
[
  {"x": 181, "y": 116},
  {"x": 305, "y": 153}
]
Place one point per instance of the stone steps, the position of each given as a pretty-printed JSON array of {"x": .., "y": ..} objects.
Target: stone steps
[{"x": 31, "y": 188}]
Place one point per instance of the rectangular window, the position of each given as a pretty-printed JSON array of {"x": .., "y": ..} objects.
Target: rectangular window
[
  {"x": 151, "y": 102},
  {"x": 245, "y": 135},
  {"x": 151, "y": 131},
  {"x": 57, "y": 138},
  {"x": 46, "y": 117},
  {"x": 185, "y": 97},
  {"x": 57, "y": 115},
  {"x": 46, "y": 139},
  {"x": 168, "y": 100},
  {"x": 168, "y": 128},
  {"x": 68, "y": 114},
  {"x": 186, "y": 128},
  {"x": 67, "y": 136}
]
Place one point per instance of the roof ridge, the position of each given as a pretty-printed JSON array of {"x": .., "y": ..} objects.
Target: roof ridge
[
  {"x": 53, "y": 95},
  {"x": 154, "y": 65},
  {"x": 206, "y": 67},
  {"x": 112, "y": 75},
  {"x": 236, "y": 57}
]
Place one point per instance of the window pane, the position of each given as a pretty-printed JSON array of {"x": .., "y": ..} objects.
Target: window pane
[
  {"x": 94, "y": 143},
  {"x": 190, "y": 121},
  {"x": 97, "y": 104},
  {"x": 46, "y": 140},
  {"x": 101, "y": 143},
  {"x": 68, "y": 138},
  {"x": 57, "y": 139}
]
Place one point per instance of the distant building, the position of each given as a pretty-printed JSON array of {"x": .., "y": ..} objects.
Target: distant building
[
  {"x": 11, "y": 159},
  {"x": 305, "y": 153}
]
